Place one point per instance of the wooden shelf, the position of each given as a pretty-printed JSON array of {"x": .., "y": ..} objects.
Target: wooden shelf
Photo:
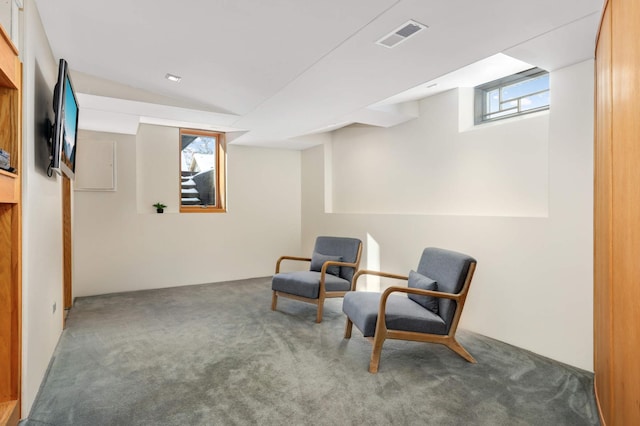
[
  {"x": 9, "y": 62},
  {"x": 9, "y": 414},
  {"x": 8, "y": 187}
]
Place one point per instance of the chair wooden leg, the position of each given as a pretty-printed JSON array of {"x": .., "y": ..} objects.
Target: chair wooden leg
[
  {"x": 319, "y": 314},
  {"x": 274, "y": 300},
  {"x": 378, "y": 340},
  {"x": 457, "y": 348},
  {"x": 348, "y": 328}
]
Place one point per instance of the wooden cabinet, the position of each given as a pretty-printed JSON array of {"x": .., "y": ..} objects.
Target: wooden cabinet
[
  {"x": 617, "y": 215},
  {"x": 10, "y": 233}
]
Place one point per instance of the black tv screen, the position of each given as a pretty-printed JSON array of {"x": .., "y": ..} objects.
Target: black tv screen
[{"x": 65, "y": 126}]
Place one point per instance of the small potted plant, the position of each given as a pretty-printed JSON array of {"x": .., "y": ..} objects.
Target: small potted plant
[{"x": 159, "y": 207}]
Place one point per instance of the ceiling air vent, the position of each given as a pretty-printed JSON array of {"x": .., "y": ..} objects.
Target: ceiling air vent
[{"x": 401, "y": 33}]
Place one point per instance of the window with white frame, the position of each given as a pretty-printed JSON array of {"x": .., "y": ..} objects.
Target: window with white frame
[{"x": 517, "y": 94}]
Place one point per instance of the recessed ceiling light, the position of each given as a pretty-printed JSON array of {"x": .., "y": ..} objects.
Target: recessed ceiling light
[{"x": 173, "y": 77}]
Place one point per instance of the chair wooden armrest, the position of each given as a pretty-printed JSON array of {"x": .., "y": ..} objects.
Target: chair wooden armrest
[
  {"x": 377, "y": 273},
  {"x": 328, "y": 263},
  {"x": 297, "y": 258},
  {"x": 420, "y": 292}
]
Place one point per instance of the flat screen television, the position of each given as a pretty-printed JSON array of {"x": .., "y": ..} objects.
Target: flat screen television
[{"x": 65, "y": 125}]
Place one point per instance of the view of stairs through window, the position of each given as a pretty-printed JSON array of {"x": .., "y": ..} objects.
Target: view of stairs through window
[
  {"x": 189, "y": 192},
  {"x": 198, "y": 169}
]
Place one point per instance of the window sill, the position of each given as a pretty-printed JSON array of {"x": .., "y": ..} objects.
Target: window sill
[
  {"x": 198, "y": 209},
  {"x": 505, "y": 121}
]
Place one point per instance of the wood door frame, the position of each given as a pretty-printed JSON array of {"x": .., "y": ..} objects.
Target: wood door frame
[{"x": 67, "y": 253}]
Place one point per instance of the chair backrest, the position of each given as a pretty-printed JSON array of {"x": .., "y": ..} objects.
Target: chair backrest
[
  {"x": 348, "y": 248},
  {"x": 449, "y": 269}
]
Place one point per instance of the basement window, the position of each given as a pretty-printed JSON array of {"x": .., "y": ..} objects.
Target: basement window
[
  {"x": 203, "y": 161},
  {"x": 512, "y": 96}
]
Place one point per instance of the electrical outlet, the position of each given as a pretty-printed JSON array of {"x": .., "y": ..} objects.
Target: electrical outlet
[{"x": 54, "y": 308}]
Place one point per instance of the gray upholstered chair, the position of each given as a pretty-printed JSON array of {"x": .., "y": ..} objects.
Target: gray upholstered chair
[
  {"x": 436, "y": 294},
  {"x": 334, "y": 262}
]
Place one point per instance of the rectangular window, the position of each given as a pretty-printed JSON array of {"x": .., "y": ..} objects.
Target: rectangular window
[
  {"x": 517, "y": 94},
  {"x": 202, "y": 171}
]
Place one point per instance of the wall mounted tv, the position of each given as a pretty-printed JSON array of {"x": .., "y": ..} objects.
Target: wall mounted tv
[{"x": 65, "y": 125}]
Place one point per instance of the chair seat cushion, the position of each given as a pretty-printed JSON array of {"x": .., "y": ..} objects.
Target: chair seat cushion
[
  {"x": 402, "y": 313},
  {"x": 307, "y": 283}
]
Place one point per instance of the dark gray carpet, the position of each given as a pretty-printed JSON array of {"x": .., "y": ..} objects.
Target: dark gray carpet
[{"x": 217, "y": 355}]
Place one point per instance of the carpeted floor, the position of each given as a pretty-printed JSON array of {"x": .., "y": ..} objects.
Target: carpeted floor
[{"x": 216, "y": 354}]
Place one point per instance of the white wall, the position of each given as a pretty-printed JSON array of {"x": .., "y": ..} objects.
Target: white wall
[
  {"x": 427, "y": 166},
  {"x": 121, "y": 244},
  {"x": 42, "y": 225},
  {"x": 533, "y": 286}
]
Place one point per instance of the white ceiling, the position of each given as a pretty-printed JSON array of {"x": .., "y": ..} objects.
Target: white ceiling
[{"x": 275, "y": 70}]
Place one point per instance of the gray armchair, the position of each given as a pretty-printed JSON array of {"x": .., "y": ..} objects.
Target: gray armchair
[
  {"x": 334, "y": 262},
  {"x": 430, "y": 313}
]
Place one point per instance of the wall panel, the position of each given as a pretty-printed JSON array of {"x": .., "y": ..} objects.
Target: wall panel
[
  {"x": 617, "y": 215},
  {"x": 602, "y": 218}
]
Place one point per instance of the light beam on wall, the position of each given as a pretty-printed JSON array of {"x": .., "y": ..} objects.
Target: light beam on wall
[{"x": 373, "y": 263}]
